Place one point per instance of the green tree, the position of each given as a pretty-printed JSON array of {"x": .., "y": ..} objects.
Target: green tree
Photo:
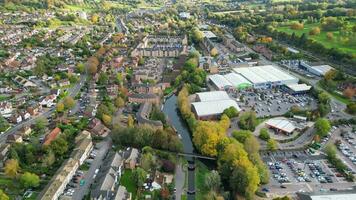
[
  {"x": 3, "y": 124},
  {"x": 264, "y": 135},
  {"x": 197, "y": 36},
  {"x": 139, "y": 177},
  {"x": 80, "y": 68},
  {"x": 272, "y": 145},
  {"x": 241, "y": 135},
  {"x": 11, "y": 168},
  {"x": 351, "y": 108},
  {"x": 119, "y": 102},
  {"x": 231, "y": 112},
  {"x": 248, "y": 121},
  {"x": 322, "y": 127},
  {"x": 40, "y": 125},
  {"x": 212, "y": 181},
  {"x": 324, "y": 98},
  {"x": 148, "y": 162},
  {"x": 59, "y": 146},
  {"x": 29, "y": 180}
]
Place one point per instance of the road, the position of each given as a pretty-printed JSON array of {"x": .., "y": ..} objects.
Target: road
[
  {"x": 71, "y": 91},
  {"x": 103, "y": 146},
  {"x": 179, "y": 181}
]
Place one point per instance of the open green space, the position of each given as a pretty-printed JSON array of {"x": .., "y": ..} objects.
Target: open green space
[
  {"x": 201, "y": 171},
  {"x": 347, "y": 46},
  {"x": 127, "y": 181}
]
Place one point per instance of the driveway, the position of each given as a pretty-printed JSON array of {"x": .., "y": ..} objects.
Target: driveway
[{"x": 103, "y": 146}]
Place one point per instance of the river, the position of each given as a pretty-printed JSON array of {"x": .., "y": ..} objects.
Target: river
[{"x": 171, "y": 110}]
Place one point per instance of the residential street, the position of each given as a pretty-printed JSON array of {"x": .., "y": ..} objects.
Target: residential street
[
  {"x": 179, "y": 181},
  {"x": 103, "y": 146}
]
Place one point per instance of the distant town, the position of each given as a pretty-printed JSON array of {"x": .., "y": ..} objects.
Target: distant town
[{"x": 177, "y": 100}]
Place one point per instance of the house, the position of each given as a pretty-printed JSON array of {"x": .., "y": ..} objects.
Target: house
[
  {"x": 98, "y": 128},
  {"x": 14, "y": 138},
  {"x": 48, "y": 101},
  {"x": 58, "y": 183},
  {"x": 51, "y": 136},
  {"x": 34, "y": 109},
  {"x": 63, "y": 83},
  {"x": 109, "y": 177},
  {"x": 4, "y": 149},
  {"x": 15, "y": 118},
  {"x": 142, "y": 98},
  {"x": 5, "y": 109},
  {"x": 25, "y": 115},
  {"x": 123, "y": 194},
  {"x": 132, "y": 160},
  {"x": 25, "y": 130}
]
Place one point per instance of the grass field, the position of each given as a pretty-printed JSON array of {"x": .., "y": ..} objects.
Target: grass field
[
  {"x": 127, "y": 181},
  {"x": 200, "y": 172},
  {"x": 346, "y": 46}
]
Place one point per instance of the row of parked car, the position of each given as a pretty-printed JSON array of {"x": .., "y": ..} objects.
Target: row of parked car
[
  {"x": 298, "y": 172},
  {"x": 278, "y": 172},
  {"x": 318, "y": 173}
]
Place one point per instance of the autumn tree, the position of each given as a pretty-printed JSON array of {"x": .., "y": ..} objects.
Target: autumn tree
[
  {"x": 351, "y": 108},
  {"x": 119, "y": 102},
  {"x": 11, "y": 168},
  {"x": 92, "y": 65},
  {"x": 349, "y": 92},
  {"x": 107, "y": 119},
  {"x": 60, "y": 107},
  {"x": 95, "y": 18},
  {"x": 130, "y": 121},
  {"x": 197, "y": 35},
  {"x": 314, "y": 31},
  {"x": 214, "y": 52},
  {"x": 272, "y": 145},
  {"x": 3, "y": 196},
  {"x": 29, "y": 180},
  {"x": 297, "y": 26},
  {"x": 329, "y": 35},
  {"x": 68, "y": 102}
]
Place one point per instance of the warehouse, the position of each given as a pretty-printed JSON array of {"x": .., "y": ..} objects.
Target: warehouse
[
  {"x": 212, "y": 109},
  {"x": 265, "y": 76},
  {"x": 212, "y": 96},
  {"x": 315, "y": 68},
  {"x": 231, "y": 80},
  {"x": 219, "y": 82},
  {"x": 297, "y": 88},
  {"x": 281, "y": 125},
  {"x": 237, "y": 81}
]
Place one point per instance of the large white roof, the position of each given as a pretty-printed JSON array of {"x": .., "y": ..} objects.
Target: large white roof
[
  {"x": 281, "y": 124},
  {"x": 322, "y": 69},
  {"x": 334, "y": 197},
  {"x": 208, "y": 108},
  {"x": 264, "y": 74},
  {"x": 236, "y": 79},
  {"x": 213, "y": 96},
  {"x": 299, "y": 87},
  {"x": 219, "y": 81}
]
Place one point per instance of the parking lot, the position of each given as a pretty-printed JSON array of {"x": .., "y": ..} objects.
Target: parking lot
[
  {"x": 272, "y": 102},
  {"x": 298, "y": 172},
  {"x": 346, "y": 145}
]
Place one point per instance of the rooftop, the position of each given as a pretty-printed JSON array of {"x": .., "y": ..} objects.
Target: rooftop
[
  {"x": 213, "y": 96},
  {"x": 216, "y": 107}
]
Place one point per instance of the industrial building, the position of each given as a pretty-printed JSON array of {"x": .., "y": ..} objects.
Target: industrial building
[
  {"x": 315, "y": 68},
  {"x": 297, "y": 88},
  {"x": 348, "y": 194},
  {"x": 281, "y": 125},
  {"x": 231, "y": 80},
  {"x": 210, "y": 105},
  {"x": 266, "y": 76}
]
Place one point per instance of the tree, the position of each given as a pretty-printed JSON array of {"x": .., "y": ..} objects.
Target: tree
[
  {"x": 330, "y": 35},
  {"x": 351, "y": 108},
  {"x": 148, "y": 162},
  {"x": 11, "y": 168},
  {"x": 283, "y": 198},
  {"x": 92, "y": 65},
  {"x": 248, "y": 121},
  {"x": 95, "y": 18},
  {"x": 29, "y": 180},
  {"x": 314, "y": 31},
  {"x": 80, "y": 68},
  {"x": 3, "y": 196},
  {"x": 264, "y": 135},
  {"x": 297, "y": 26},
  {"x": 197, "y": 36},
  {"x": 231, "y": 112},
  {"x": 349, "y": 92},
  {"x": 4, "y": 125},
  {"x": 60, "y": 107},
  {"x": 241, "y": 135},
  {"x": 214, "y": 52},
  {"x": 59, "y": 146},
  {"x": 272, "y": 145},
  {"x": 130, "y": 121},
  {"x": 212, "y": 181},
  {"x": 324, "y": 98},
  {"x": 139, "y": 177},
  {"x": 119, "y": 102},
  {"x": 40, "y": 125},
  {"x": 322, "y": 126},
  {"x": 106, "y": 119},
  {"x": 68, "y": 102}
]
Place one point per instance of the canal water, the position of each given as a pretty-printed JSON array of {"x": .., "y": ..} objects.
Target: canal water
[{"x": 170, "y": 108}]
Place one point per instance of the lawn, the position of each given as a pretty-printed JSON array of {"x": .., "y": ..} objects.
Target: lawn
[
  {"x": 200, "y": 172},
  {"x": 348, "y": 47},
  {"x": 127, "y": 181},
  {"x": 3, "y": 97}
]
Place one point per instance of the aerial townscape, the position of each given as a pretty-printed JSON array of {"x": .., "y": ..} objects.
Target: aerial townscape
[{"x": 177, "y": 99}]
